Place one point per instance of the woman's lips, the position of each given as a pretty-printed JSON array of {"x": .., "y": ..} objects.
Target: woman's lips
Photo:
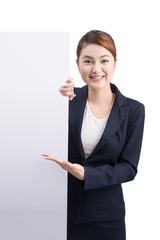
[{"x": 96, "y": 78}]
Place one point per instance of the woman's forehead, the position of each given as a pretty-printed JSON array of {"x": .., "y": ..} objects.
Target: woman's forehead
[{"x": 94, "y": 50}]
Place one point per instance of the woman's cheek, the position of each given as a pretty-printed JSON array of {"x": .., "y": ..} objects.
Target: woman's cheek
[{"x": 84, "y": 77}]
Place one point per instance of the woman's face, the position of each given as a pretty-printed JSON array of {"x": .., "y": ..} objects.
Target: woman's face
[{"x": 96, "y": 65}]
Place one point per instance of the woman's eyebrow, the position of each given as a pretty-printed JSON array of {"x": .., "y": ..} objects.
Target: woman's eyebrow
[{"x": 86, "y": 56}]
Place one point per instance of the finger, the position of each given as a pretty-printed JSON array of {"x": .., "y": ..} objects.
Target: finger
[
  {"x": 70, "y": 79},
  {"x": 45, "y": 154},
  {"x": 64, "y": 89},
  {"x": 70, "y": 82},
  {"x": 52, "y": 159},
  {"x": 72, "y": 96},
  {"x": 48, "y": 155},
  {"x": 68, "y": 85},
  {"x": 55, "y": 159},
  {"x": 67, "y": 93},
  {"x": 49, "y": 158}
]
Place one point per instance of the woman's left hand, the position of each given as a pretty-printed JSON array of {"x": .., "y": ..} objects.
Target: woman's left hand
[{"x": 74, "y": 168}]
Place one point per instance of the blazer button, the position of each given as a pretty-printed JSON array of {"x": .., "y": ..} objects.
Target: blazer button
[{"x": 84, "y": 163}]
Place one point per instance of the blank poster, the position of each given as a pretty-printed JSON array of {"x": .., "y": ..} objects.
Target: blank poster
[{"x": 33, "y": 120}]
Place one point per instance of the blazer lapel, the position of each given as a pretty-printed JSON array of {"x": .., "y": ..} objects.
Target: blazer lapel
[{"x": 77, "y": 107}]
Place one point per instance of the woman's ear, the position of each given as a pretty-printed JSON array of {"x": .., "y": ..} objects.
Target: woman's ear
[{"x": 115, "y": 61}]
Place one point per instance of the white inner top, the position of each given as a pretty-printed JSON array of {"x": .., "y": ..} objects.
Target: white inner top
[{"x": 92, "y": 130}]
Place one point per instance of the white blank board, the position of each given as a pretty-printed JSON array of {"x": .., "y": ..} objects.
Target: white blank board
[{"x": 33, "y": 120}]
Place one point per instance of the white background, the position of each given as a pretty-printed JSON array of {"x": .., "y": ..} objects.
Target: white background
[
  {"x": 134, "y": 25},
  {"x": 33, "y": 120}
]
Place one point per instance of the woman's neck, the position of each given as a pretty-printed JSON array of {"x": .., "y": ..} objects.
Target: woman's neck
[{"x": 101, "y": 96}]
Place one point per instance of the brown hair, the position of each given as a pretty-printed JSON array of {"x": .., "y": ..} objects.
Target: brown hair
[{"x": 97, "y": 37}]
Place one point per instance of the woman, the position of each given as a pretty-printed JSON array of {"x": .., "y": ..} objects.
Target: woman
[{"x": 105, "y": 136}]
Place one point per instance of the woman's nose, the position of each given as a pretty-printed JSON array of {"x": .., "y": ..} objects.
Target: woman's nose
[{"x": 96, "y": 68}]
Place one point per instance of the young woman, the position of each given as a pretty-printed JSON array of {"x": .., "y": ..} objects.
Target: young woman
[{"x": 105, "y": 136}]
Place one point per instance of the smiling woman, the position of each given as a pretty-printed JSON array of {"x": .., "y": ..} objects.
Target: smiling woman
[
  {"x": 105, "y": 137},
  {"x": 96, "y": 64}
]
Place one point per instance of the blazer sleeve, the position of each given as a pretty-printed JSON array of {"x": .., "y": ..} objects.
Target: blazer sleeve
[{"x": 126, "y": 168}]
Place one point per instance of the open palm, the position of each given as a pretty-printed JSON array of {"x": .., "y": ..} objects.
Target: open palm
[{"x": 74, "y": 168}]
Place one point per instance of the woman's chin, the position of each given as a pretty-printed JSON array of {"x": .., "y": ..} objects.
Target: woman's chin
[{"x": 98, "y": 85}]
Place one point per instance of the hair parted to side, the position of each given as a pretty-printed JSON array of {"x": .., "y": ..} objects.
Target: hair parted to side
[{"x": 97, "y": 37}]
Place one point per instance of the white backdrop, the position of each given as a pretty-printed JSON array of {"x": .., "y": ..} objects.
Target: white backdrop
[
  {"x": 134, "y": 25},
  {"x": 33, "y": 120}
]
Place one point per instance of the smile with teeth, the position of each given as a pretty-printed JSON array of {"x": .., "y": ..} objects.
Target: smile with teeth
[{"x": 96, "y": 78}]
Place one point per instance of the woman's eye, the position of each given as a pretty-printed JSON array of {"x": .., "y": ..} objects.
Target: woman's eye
[
  {"x": 87, "y": 61},
  {"x": 104, "y": 61}
]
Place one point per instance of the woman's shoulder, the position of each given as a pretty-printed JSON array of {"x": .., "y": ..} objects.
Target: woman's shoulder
[
  {"x": 132, "y": 103},
  {"x": 134, "y": 107}
]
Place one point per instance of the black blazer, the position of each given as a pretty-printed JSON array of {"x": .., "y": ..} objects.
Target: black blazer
[{"x": 114, "y": 160}]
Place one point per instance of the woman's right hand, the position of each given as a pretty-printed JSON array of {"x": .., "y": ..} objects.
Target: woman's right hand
[{"x": 68, "y": 90}]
